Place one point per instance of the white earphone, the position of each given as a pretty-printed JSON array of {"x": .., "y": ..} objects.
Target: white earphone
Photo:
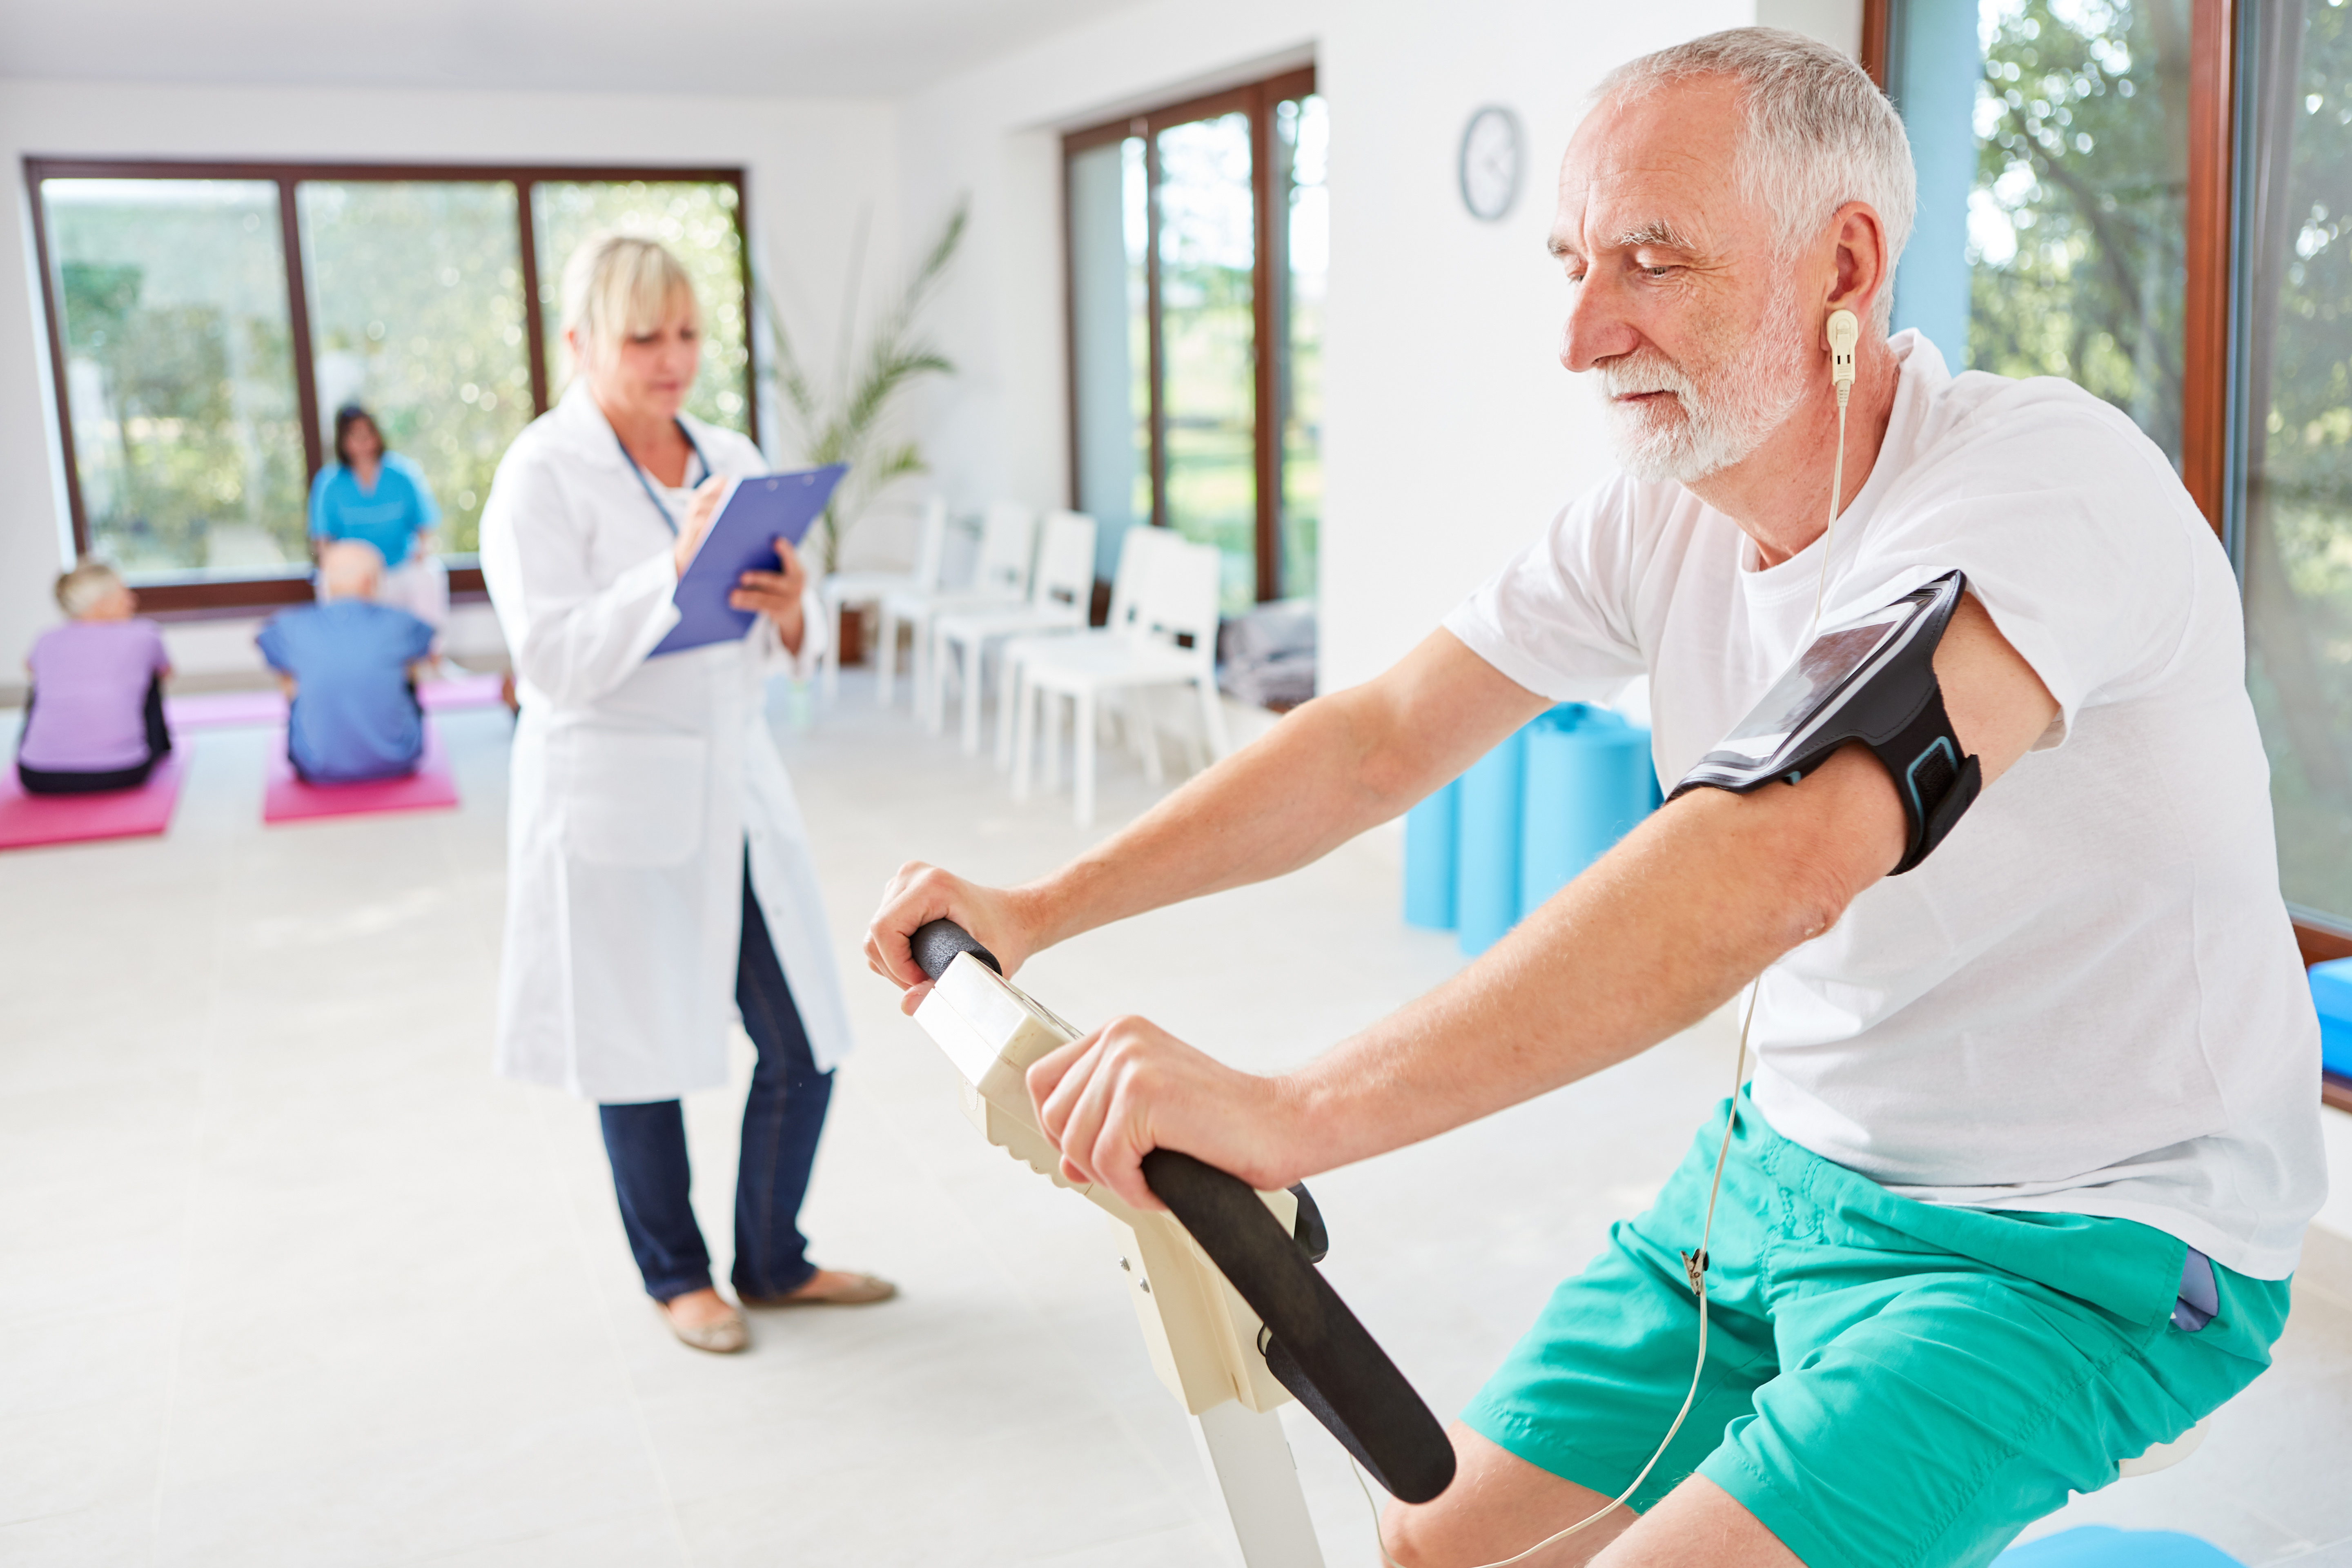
[{"x": 1843, "y": 331}]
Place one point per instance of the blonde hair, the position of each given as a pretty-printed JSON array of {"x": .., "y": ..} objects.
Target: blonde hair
[
  {"x": 80, "y": 590},
  {"x": 620, "y": 286}
]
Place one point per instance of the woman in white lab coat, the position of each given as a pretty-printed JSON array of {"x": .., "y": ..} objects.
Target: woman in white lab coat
[{"x": 658, "y": 873}]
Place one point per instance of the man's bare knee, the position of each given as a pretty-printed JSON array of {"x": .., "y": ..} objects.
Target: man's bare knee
[
  {"x": 1498, "y": 1506},
  {"x": 1699, "y": 1522}
]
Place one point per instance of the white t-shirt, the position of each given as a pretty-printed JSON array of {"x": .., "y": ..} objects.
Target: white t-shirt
[{"x": 2088, "y": 998}]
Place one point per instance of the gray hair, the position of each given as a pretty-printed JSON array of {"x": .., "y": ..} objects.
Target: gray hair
[
  {"x": 80, "y": 590},
  {"x": 1820, "y": 133}
]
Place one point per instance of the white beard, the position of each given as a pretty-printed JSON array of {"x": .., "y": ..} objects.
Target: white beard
[{"x": 1715, "y": 419}]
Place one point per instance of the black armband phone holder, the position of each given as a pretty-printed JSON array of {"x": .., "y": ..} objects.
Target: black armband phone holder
[{"x": 1872, "y": 680}]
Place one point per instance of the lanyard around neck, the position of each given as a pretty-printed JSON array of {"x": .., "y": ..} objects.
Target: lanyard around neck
[{"x": 644, "y": 479}]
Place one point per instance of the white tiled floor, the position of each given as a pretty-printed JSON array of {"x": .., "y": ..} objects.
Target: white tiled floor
[{"x": 287, "y": 1277}]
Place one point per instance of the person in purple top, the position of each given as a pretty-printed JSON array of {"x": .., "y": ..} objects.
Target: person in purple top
[{"x": 94, "y": 721}]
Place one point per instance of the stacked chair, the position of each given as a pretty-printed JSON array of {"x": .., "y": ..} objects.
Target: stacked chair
[
  {"x": 1136, "y": 546},
  {"x": 1166, "y": 637},
  {"x": 844, "y": 588},
  {"x": 1060, "y": 594},
  {"x": 1007, "y": 540}
]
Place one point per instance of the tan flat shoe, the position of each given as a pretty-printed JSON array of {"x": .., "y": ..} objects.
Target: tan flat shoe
[
  {"x": 725, "y": 1337},
  {"x": 844, "y": 1288}
]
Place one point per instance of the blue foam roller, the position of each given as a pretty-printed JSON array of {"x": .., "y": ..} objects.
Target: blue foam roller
[
  {"x": 1487, "y": 863},
  {"x": 1429, "y": 830},
  {"x": 2102, "y": 1546},
  {"x": 2331, "y": 993},
  {"x": 1588, "y": 782}
]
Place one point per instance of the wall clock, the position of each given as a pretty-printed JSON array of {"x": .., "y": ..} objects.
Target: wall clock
[{"x": 1492, "y": 151}]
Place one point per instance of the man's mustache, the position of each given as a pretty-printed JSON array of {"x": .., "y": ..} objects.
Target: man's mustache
[{"x": 1636, "y": 375}]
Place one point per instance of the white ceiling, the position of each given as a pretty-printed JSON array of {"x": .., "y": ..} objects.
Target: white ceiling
[{"x": 784, "y": 48}]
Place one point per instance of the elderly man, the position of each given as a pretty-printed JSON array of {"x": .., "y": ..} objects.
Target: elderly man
[
  {"x": 2017, "y": 1187},
  {"x": 350, "y": 666}
]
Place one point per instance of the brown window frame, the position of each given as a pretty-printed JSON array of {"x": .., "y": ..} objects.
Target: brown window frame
[
  {"x": 2209, "y": 452},
  {"x": 235, "y": 595},
  {"x": 2205, "y": 443},
  {"x": 1270, "y": 271}
]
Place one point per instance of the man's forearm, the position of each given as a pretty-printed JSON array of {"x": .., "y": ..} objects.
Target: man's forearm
[
  {"x": 1276, "y": 805},
  {"x": 1329, "y": 770},
  {"x": 1668, "y": 926}
]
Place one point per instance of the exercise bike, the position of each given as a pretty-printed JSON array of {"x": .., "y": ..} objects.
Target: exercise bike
[{"x": 1237, "y": 1319}]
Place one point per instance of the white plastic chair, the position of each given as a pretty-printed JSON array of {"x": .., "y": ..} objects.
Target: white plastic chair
[
  {"x": 1008, "y": 538},
  {"x": 1139, "y": 547},
  {"x": 1171, "y": 641},
  {"x": 845, "y": 588},
  {"x": 1060, "y": 595}
]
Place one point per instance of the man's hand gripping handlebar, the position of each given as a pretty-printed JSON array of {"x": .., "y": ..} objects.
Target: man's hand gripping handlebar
[
  {"x": 920, "y": 895},
  {"x": 1309, "y": 1341}
]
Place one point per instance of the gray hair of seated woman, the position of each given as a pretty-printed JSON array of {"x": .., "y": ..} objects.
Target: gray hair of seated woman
[{"x": 87, "y": 585}]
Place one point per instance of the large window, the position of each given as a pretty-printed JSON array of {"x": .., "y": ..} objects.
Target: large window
[
  {"x": 416, "y": 312},
  {"x": 2154, "y": 198},
  {"x": 1198, "y": 245},
  {"x": 2052, "y": 139},
  {"x": 2294, "y": 517},
  {"x": 206, "y": 323}
]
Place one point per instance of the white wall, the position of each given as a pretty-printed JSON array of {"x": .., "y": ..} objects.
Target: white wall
[
  {"x": 1451, "y": 433},
  {"x": 812, "y": 168}
]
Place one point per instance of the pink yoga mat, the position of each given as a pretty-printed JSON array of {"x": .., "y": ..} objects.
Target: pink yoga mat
[
  {"x": 288, "y": 799},
  {"x": 27, "y": 820},
  {"x": 466, "y": 691},
  {"x": 224, "y": 710},
  {"x": 228, "y": 709}
]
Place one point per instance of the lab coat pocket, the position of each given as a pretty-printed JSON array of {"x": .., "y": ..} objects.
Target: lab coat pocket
[{"x": 635, "y": 799}]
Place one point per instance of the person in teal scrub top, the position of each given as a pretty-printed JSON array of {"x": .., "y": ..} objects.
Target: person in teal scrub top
[{"x": 370, "y": 494}]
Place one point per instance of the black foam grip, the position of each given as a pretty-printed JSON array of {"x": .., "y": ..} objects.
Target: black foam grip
[
  {"x": 1327, "y": 1357},
  {"x": 937, "y": 944}
]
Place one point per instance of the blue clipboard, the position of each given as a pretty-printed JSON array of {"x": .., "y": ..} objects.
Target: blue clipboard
[{"x": 743, "y": 537}]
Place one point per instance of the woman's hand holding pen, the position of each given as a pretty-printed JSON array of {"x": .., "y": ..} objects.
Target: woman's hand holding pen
[{"x": 699, "y": 513}]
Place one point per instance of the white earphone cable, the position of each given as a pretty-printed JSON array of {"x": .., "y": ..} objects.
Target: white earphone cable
[
  {"x": 1829, "y": 533},
  {"x": 1842, "y": 329},
  {"x": 1695, "y": 1263}
]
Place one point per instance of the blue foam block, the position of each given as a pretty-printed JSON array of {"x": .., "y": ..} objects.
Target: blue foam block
[
  {"x": 2331, "y": 993},
  {"x": 1486, "y": 865},
  {"x": 2101, "y": 1546},
  {"x": 1588, "y": 782},
  {"x": 1429, "y": 830}
]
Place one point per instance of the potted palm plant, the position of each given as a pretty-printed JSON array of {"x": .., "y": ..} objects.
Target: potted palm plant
[{"x": 846, "y": 417}]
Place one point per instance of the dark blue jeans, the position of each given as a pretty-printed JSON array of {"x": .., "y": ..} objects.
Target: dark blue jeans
[{"x": 782, "y": 1119}]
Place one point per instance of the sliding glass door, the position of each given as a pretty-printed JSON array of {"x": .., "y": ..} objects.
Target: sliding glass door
[
  {"x": 1197, "y": 242},
  {"x": 2294, "y": 501},
  {"x": 1208, "y": 341},
  {"x": 2052, "y": 143}
]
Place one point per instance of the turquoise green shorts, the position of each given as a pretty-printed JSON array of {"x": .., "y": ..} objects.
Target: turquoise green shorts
[{"x": 1888, "y": 1383}]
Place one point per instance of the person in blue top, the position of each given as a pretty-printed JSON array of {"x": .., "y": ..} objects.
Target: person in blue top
[
  {"x": 350, "y": 666},
  {"x": 371, "y": 494}
]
